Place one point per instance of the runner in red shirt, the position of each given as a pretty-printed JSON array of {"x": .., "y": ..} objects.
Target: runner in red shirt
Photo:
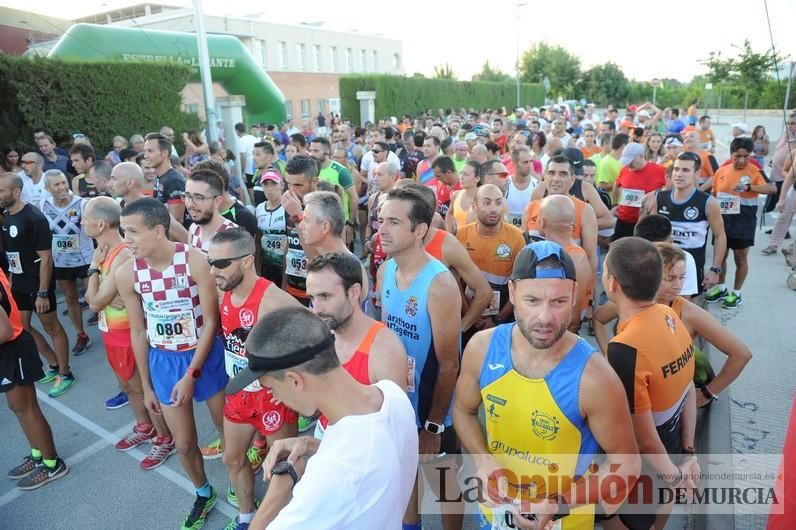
[
  {"x": 446, "y": 181},
  {"x": 637, "y": 178}
]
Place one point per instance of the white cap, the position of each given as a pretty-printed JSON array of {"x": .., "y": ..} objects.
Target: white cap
[
  {"x": 644, "y": 113},
  {"x": 742, "y": 126},
  {"x": 631, "y": 151}
]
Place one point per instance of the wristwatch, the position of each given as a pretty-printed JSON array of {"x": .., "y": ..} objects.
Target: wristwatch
[
  {"x": 708, "y": 394},
  {"x": 688, "y": 450},
  {"x": 351, "y": 224},
  {"x": 717, "y": 270},
  {"x": 434, "y": 428},
  {"x": 196, "y": 373},
  {"x": 42, "y": 294},
  {"x": 563, "y": 507},
  {"x": 91, "y": 272},
  {"x": 285, "y": 468}
]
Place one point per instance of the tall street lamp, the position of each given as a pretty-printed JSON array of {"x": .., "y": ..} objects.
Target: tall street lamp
[{"x": 517, "y": 62}]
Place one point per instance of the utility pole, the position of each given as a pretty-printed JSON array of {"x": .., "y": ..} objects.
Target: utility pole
[
  {"x": 204, "y": 72},
  {"x": 517, "y": 62}
]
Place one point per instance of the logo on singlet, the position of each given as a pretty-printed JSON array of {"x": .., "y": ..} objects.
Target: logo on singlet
[
  {"x": 411, "y": 306},
  {"x": 503, "y": 251},
  {"x": 246, "y": 318},
  {"x": 670, "y": 323},
  {"x": 691, "y": 213},
  {"x": 146, "y": 287},
  {"x": 544, "y": 425},
  {"x": 272, "y": 420}
]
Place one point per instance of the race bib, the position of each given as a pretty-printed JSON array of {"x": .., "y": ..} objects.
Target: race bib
[
  {"x": 102, "y": 322},
  {"x": 729, "y": 203},
  {"x": 274, "y": 243},
  {"x": 171, "y": 329},
  {"x": 296, "y": 264},
  {"x": 632, "y": 198},
  {"x": 410, "y": 373},
  {"x": 234, "y": 364},
  {"x": 14, "y": 263},
  {"x": 66, "y": 243},
  {"x": 494, "y": 304},
  {"x": 513, "y": 218}
]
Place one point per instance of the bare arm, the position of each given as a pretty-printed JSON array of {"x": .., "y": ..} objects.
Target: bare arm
[
  {"x": 76, "y": 186},
  {"x": 177, "y": 211},
  {"x": 717, "y": 227},
  {"x": 604, "y": 218},
  {"x": 177, "y": 232},
  {"x": 604, "y": 315},
  {"x": 444, "y": 301},
  {"x": 45, "y": 269},
  {"x": 588, "y": 241},
  {"x": 208, "y": 301},
  {"x": 389, "y": 359},
  {"x": 353, "y": 202},
  {"x": 458, "y": 259},
  {"x": 100, "y": 294},
  {"x": 450, "y": 220}
]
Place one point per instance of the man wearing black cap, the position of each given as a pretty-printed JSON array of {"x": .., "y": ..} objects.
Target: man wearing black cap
[
  {"x": 537, "y": 371},
  {"x": 361, "y": 474}
]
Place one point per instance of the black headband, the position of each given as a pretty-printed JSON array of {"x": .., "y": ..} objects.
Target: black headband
[{"x": 271, "y": 364}]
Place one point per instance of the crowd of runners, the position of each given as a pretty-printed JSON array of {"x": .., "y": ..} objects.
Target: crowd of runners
[{"x": 411, "y": 290}]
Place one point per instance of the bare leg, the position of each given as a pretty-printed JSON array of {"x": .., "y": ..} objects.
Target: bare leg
[
  {"x": 237, "y": 437},
  {"x": 741, "y": 266},
  {"x": 22, "y": 402},
  {"x": 38, "y": 338},
  {"x": 56, "y": 332},
  {"x": 182, "y": 424},
  {"x": 71, "y": 295}
]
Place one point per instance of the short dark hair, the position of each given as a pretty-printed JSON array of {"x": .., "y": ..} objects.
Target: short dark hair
[
  {"x": 209, "y": 177},
  {"x": 215, "y": 166},
  {"x": 240, "y": 127},
  {"x": 690, "y": 156},
  {"x": 299, "y": 328},
  {"x": 589, "y": 163},
  {"x": 492, "y": 147},
  {"x": 302, "y": 165},
  {"x": 383, "y": 145},
  {"x": 85, "y": 151},
  {"x": 152, "y": 212},
  {"x": 444, "y": 163},
  {"x": 267, "y": 147},
  {"x": 486, "y": 168},
  {"x": 653, "y": 228},
  {"x": 561, "y": 159},
  {"x": 742, "y": 142},
  {"x": 127, "y": 153},
  {"x": 324, "y": 142},
  {"x": 619, "y": 140},
  {"x": 299, "y": 139},
  {"x": 703, "y": 118},
  {"x": 421, "y": 210},
  {"x": 101, "y": 168},
  {"x": 433, "y": 139},
  {"x": 637, "y": 266},
  {"x": 610, "y": 125},
  {"x": 419, "y": 138},
  {"x": 238, "y": 238},
  {"x": 344, "y": 264},
  {"x": 163, "y": 143}
]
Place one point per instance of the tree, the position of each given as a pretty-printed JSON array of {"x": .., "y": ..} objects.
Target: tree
[
  {"x": 554, "y": 62},
  {"x": 444, "y": 71},
  {"x": 754, "y": 69},
  {"x": 488, "y": 73},
  {"x": 604, "y": 84}
]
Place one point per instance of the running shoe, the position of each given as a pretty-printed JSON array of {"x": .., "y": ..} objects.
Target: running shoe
[
  {"x": 49, "y": 376},
  {"x": 161, "y": 450},
  {"x": 93, "y": 319},
  {"x": 82, "y": 302},
  {"x": 256, "y": 455},
  {"x": 81, "y": 344},
  {"x": 42, "y": 475},
  {"x": 201, "y": 507},
  {"x": 732, "y": 301},
  {"x": 213, "y": 451},
  {"x": 769, "y": 250},
  {"x": 237, "y": 525},
  {"x": 25, "y": 468},
  {"x": 232, "y": 498},
  {"x": 118, "y": 401},
  {"x": 137, "y": 437},
  {"x": 716, "y": 294},
  {"x": 305, "y": 423},
  {"x": 62, "y": 384}
]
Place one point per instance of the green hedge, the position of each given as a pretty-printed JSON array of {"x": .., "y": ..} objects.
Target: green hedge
[
  {"x": 100, "y": 100},
  {"x": 411, "y": 95}
]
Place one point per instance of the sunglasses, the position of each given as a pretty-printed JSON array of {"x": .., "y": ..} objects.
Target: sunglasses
[
  {"x": 26, "y": 162},
  {"x": 376, "y": 151},
  {"x": 223, "y": 263}
]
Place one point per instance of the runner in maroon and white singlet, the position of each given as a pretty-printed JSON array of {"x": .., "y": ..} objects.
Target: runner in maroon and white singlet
[
  {"x": 247, "y": 299},
  {"x": 204, "y": 193},
  {"x": 367, "y": 349}
]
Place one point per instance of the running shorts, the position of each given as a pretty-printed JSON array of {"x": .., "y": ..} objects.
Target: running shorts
[
  {"x": 257, "y": 410},
  {"x": 19, "y": 363},
  {"x": 166, "y": 368}
]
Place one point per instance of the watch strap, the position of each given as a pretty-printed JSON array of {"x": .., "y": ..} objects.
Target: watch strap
[{"x": 285, "y": 468}]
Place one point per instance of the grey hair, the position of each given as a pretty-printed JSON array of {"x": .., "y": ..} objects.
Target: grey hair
[{"x": 330, "y": 209}]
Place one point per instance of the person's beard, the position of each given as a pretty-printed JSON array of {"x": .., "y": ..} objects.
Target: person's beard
[
  {"x": 204, "y": 219},
  {"x": 233, "y": 281},
  {"x": 336, "y": 320},
  {"x": 527, "y": 331}
]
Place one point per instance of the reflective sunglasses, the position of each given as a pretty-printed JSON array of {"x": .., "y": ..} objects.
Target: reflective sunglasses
[{"x": 223, "y": 263}]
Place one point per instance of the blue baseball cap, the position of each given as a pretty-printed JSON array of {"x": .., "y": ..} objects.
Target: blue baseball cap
[{"x": 527, "y": 261}]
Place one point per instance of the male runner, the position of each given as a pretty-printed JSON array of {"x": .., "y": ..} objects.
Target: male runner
[
  {"x": 385, "y": 177},
  {"x": 737, "y": 186},
  {"x": 20, "y": 368},
  {"x": 636, "y": 179},
  {"x": 654, "y": 358},
  {"x": 545, "y": 392},
  {"x": 264, "y": 157},
  {"x": 247, "y": 299},
  {"x": 691, "y": 212},
  {"x": 170, "y": 299},
  {"x": 101, "y": 219},
  {"x": 28, "y": 244},
  {"x": 425, "y": 174},
  {"x": 367, "y": 349},
  {"x": 204, "y": 191},
  {"x": 301, "y": 175},
  {"x": 521, "y": 185},
  {"x": 556, "y": 217},
  {"x": 446, "y": 181},
  {"x": 71, "y": 247},
  {"x": 83, "y": 157},
  {"x": 230, "y": 208},
  {"x": 419, "y": 296},
  {"x": 169, "y": 183},
  {"x": 336, "y": 174},
  {"x": 492, "y": 245},
  {"x": 127, "y": 184},
  {"x": 33, "y": 191}
]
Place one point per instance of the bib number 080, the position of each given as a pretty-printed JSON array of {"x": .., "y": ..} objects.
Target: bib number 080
[{"x": 169, "y": 330}]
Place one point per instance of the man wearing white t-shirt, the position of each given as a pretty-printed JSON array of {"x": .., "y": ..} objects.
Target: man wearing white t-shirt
[
  {"x": 245, "y": 150},
  {"x": 362, "y": 473}
]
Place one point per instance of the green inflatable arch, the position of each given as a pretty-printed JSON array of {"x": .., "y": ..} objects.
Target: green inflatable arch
[{"x": 231, "y": 64}]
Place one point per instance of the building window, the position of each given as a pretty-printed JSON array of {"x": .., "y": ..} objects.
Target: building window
[
  {"x": 396, "y": 61},
  {"x": 333, "y": 59},
  {"x": 363, "y": 60},
  {"x": 281, "y": 51},
  {"x": 306, "y": 108},
  {"x": 301, "y": 59},
  {"x": 349, "y": 60},
  {"x": 322, "y": 105},
  {"x": 191, "y": 108},
  {"x": 260, "y": 52},
  {"x": 374, "y": 56},
  {"x": 316, "y": 52},
  {"x": 289, "y": 109}
]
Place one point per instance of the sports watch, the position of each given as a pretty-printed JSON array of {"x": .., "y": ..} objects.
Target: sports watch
[
  {"x": 196, "y": 373},
  {"x": 285, "y": 468},
  {"x": 717, "y": 270},
  {"x": 434, "y": 428},
  {"x": 42, "y": 294},
  {"x": 91, "y": 272}
]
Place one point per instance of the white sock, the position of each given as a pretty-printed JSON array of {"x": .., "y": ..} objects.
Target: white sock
[
  {"x": 736, "y": 292},
  {"x": 721, "y": 286},
  {"x": 246, "y": 517}
]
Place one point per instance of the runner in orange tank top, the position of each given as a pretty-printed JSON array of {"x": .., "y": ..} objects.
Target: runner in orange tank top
[{"x": 367, "y": 349}]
